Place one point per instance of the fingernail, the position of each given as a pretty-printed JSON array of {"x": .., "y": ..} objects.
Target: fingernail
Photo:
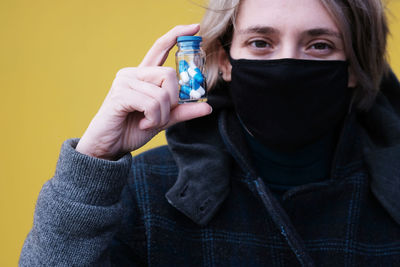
[{"x": 194, "y": 25}]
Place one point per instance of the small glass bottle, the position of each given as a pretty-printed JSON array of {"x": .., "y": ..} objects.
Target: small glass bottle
[{"x": 190, "y": 61}]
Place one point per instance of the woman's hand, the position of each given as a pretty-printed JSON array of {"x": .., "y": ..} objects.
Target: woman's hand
[{"x": 142, "y": 101}]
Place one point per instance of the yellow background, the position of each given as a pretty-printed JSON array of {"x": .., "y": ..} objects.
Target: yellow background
[{"x": 57, "y": 62}]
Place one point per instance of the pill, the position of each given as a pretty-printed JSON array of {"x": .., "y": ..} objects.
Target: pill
[
  {"x": 201, "y": 91},
  {"x": 194, "y": 94},
  {"x": 184, "y": 76},
  {"x": 196, "y": 74},
  {"x": 193, "y": 84},
  {"x": 199, "y": 77},
  {"x": 181, "y": 82},
  {"x": 186, "y": 89},
  {"x": 193, "y": 70},
  {"x": 183, "y": 65},
  {"x": 182, "y": 95}
]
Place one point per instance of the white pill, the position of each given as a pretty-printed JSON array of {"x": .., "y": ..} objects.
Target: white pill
[
  {"x": 184, "y": 76},
  {"x": 201, "y": 91},
  {"x": 192, "y": 71},
  {"x": 194, "y": 94}
]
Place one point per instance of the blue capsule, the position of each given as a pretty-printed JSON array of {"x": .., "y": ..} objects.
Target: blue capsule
[
  {"x": 196, "y": 74},
  {"x": 186, "y": 89},
  {"x": 194, "y": 84},
  {"x": 183, "y": 96},
  {"x": 199, "y": 77}
]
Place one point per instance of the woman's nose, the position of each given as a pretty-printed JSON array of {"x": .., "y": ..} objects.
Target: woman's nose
[{"x": 288, "y": 49}]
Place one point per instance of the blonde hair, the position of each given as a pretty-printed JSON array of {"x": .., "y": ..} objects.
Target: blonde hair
[
  {"x": 219, "y": 17},
  {"x": 363, "y": 25}
]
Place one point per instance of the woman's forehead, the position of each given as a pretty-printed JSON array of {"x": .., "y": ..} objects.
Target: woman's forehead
[{"x": 284, "y": 15}]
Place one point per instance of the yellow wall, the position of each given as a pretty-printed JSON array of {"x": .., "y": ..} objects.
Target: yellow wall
[{"x": 57, "y": 62}]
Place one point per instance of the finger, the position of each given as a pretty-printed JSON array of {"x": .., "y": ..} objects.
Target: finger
[
  {"x": 132, "y": 100},
  {"x": 158, "y": 53},
  {"x": 163, "y": 77},
  {"x": 159, "y": 94},
  {"x": 188, "y": 111}
]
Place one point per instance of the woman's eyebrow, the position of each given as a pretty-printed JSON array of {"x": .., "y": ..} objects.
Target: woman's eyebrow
[
  {"x": 323, "y": 31},
  {"x": 258, "y": 29}
]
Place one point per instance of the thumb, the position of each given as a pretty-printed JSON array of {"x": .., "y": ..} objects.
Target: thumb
[{"x": 188, "y": 111}]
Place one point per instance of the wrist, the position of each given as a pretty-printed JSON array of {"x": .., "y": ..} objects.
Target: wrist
[{"x": 88, "y": 150}]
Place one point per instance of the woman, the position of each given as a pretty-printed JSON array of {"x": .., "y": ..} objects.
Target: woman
[{"x": 297, "y": 164}]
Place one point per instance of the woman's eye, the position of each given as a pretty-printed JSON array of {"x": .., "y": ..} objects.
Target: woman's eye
[
  {"x": 321, "y": 46},
  {"x": 259, "y": 44}
]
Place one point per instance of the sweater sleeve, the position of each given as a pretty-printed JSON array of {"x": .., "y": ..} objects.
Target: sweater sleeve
[{"x": 78, "y": 211}]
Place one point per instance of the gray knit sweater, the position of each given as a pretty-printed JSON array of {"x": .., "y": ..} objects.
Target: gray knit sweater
[{"x": 78, "y": 208}]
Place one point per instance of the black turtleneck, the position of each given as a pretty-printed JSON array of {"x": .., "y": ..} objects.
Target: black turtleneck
[{"x": 282, "y": 171}]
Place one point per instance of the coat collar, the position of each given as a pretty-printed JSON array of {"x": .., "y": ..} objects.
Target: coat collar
[
  {"x": 203, "y": 162},
  {"x": 381, "y": 139}
]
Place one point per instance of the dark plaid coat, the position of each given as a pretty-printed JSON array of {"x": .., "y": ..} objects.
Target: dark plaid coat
[{"x": 199, "y": 202}]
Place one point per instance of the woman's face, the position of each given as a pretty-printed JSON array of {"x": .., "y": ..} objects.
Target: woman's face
[{"x": 273, "y": 29}]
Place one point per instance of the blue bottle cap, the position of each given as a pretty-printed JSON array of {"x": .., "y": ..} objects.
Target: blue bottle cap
[{"x": 189, "y": 39}]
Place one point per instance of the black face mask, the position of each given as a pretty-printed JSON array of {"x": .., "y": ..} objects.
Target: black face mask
[{"x": 287, "y": 104}]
